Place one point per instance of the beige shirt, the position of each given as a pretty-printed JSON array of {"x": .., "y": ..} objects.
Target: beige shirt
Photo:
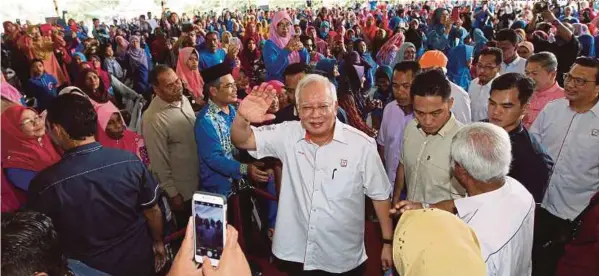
[
  {"x": 426, "y": 160},
  {"x": 320, "y": 221},
  {"x": 168, "y": 131}
]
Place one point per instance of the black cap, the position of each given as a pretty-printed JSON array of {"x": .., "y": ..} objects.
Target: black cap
[{"x": 215, "y": 72}]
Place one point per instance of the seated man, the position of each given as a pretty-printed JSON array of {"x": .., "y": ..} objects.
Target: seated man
[
  {"x": 30, "y": 246},
  {"x": 499, "y": 208}
]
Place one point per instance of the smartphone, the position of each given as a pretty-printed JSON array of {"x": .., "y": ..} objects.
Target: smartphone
[
  {"x": 209, "y": 225},
  {"x": 455, "y": 14}
]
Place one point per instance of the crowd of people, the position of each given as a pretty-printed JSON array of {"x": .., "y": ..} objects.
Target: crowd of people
[{"x": 467, "y": 131}]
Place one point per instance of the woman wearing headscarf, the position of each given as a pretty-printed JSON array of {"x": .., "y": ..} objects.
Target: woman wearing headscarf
[
  {"x": 458, "y": 65},
  {"x": 9, "y": 94},
  {"x": 320, "y": 44},
  {"x": 11, "y": 38},
  {"x": 282, "y": 47},
  {"x": 224, "y": 40},
  {"x": 440, "y": 31},
  {"x": 388, "y": 52},
  {"x": 252, "y": 32},
  {"x": 90, "y": 83},
  {"x": 587, "y": 41},
  {"x": 251, "y": 60},
  {"x": 407, "y": 52},
  {"x": 35, "y": 46},
  {"x": 432, "y": 242},
  {"x": 369, "y": 29},
  {"x": 480, "y": 41},
  {"x": 75, "y": 66},
  {"x": 96, "y": 63},
  {"x": 415, "y": 36},
  {"x": 26, "y": 147},
  {"x": 187, "y": 70},
  {"x": 381, "y": 94},
  {"x": 351, "y": 98},
  {"x": 458, "y": 36},
  {"x": 525, "y": 49},
  {"x": 122, "y": 45},
  {"x": 139, "y": 67},
  {"x": 113, "y": 133},
  {"x": 379, "y": 40}
]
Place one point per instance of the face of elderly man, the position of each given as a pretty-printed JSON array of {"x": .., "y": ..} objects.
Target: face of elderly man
[{"x": 317, "y": 109}]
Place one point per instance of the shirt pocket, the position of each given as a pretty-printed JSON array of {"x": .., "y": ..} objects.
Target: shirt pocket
[{"x": 341, "y": 183}]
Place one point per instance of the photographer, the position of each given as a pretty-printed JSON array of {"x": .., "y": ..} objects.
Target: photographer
[{"x": 566, "y": 47}]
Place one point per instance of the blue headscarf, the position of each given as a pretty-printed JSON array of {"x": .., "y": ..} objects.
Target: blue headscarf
[
  {"x": 80, "y": 55},
  {"x": 480, "y": 41},
  {"x": 457, "y": 65},
  {"x": 518, "y": 24},
  {"x": 326, "y": 67},
  {"x": 587, "y": 43},
  {"x": 324, "y": 34}
]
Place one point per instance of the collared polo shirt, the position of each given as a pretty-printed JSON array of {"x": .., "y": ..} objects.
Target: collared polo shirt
[
  {"x": 391, "y": 136},
  {"x": 539, "y": 100},
  {"x": 320, "y": 221},
  {"x": 479, "y": 99},
  {"x": 516, "y": 66},
  {"x": 427, "y": 164},
  {"x": 168, "y": 132},
  {"x": 96, "y": 197},
  {"x": 572, "y": 140},
  {"x": 503, "y": 221}
]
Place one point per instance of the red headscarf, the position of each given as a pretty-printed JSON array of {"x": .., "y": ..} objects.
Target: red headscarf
[
  {"x": 251, "y": 34},
  {"x": 104, "y": 76},
  {"x": 100, "y": 96},
  {"x": 21, "y": 151},
  {"x": 130, "y": 141}
]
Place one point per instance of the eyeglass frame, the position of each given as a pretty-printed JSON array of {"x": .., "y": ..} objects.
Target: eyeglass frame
[{"x": 577, "y": 81}]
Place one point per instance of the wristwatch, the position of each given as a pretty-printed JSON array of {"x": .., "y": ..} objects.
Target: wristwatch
[{"x": 388, "y": 241}]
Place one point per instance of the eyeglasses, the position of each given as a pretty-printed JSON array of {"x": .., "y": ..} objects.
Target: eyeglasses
[
  {"x": 33, "y": 121},
  {"x": 485, "y": 67},
  {"x": 321, "y": 109},
  {"x": 575, "y": 80}
]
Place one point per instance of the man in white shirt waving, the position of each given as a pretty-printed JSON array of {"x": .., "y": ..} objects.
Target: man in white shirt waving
[
  {"x": 328, "y": 167},
  {"x": 498, "y": 207}
]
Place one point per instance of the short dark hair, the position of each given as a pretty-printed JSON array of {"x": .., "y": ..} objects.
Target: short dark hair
[
  {"x": 547, "y": 60},
  {"x": 493, "y": 51},
  {"x": 155, "y": 73},
  {"x": 30, "y": 244},
  {"x": 507, "y": 35},
  {"x": 296, "y": 68},
  {"x": 589, "y": 62},
  {"x": 34, "y": 61},
  {"x": 212, "y": 33},
  {"x": 525, "y": 85},
  {"x": 406, "y": 66},
  {"x": 95, "y": 19},
  {"x": 431, "y": 83},
  {"x": 75, "y": 114}
]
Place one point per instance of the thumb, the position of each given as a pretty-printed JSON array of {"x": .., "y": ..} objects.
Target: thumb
[
  {"x": 268, "y": 117},
  {"x": 207, "y": 268}
]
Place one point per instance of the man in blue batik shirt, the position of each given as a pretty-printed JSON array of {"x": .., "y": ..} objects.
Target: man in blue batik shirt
[{"x": 217, "y": 155}]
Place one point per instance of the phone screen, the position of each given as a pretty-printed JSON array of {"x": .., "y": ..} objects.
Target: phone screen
[
  {"x": 455, "y": 14},
  {"x": 209, "y": 224}
]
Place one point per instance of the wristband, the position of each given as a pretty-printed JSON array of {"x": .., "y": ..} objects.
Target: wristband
[{"x": 388, "y": 241}]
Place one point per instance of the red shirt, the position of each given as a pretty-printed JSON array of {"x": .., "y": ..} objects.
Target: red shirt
[
  {"x": 582, "y": 254},
  {"x": 539, "y": 100}
]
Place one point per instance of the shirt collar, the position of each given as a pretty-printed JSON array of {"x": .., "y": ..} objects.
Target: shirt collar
[
  {"x": 517, "y": 130},
  {"x": 551, "y": 88},
  {"x": 470, "y": 205},
  {"x": 87, "y": 148},
  {"x": 337, "y": 133},
  {"x": 162, "y": 104},
  {"x": 213, "y": 108},
  {"x": 449, "y": 125}
]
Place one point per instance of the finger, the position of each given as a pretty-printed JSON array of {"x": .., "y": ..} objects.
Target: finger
[
  {"x": 401, "y": 204},
  {"x": 260, "y": 172},
  {"x": 187, "y": 245},
  {"x": 259, "y": 164},
  {"x": 231, "y": 237},
  {"x": 207, "y": 268},
  {"x": 268, "y": 117}
]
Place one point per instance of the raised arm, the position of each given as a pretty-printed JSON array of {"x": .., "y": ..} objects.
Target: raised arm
[{"x": 251, "y": 110}]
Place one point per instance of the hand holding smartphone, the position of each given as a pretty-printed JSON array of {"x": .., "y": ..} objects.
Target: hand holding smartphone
[{"x": 210, "y": 224}]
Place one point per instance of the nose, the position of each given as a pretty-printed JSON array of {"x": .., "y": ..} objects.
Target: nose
[{"x": 428, "y": 120}]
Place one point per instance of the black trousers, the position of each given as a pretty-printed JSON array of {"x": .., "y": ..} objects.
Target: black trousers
[
  {"x": 182, "y": 216},
  {"x": 297, "y": 269},
  {"x": 547, "y": 248}
]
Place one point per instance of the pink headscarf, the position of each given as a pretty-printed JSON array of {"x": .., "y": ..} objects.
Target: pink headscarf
[
  {"x": 277, "y": 85},
  {"x": 130, "y": 141},
  {"x": 391, "y": 46},
  {"x": 281, "y": 42},
  {"x": 10, "y": 92},
  {"x": 194, "y": 80}
]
